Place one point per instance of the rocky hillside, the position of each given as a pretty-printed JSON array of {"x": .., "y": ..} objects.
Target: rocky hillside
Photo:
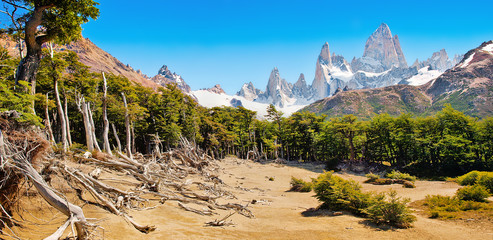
[
  {"x": 101, "y": 61},
  {"x": 365, "y": 103},
  {"x": 468, "y": 87}
]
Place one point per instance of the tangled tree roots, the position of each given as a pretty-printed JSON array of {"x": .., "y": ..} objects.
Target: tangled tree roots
[{"x": 185, "y": 175}]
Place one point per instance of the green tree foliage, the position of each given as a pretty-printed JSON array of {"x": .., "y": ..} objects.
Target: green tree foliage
[
  {"x": 12, "y": 97},
  {"x": 43, "y": 21}
]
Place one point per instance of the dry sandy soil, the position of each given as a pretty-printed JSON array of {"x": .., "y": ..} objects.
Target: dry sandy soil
[{"x": 278, "y": 213}]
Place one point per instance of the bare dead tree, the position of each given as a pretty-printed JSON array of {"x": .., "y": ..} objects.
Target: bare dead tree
[
  {"x": 61, "y": 113},
  {"x": 48, "y": 122},
  {"x": 119, "y": 145},
  {"x": 69, "y": 136},
  {"x": 106, "y": 123},
  {"x": 82, "y": 107},
  {"x": 17, "y": 157},
  {"x": 128, "y": 142},
  {"x": 11, "y": 12},
  {"x": 92, "y": 127}
]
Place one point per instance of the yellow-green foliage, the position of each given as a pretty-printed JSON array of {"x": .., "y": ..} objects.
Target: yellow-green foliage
[
  {"x": 339, "y": 194},
  {"x": 371, "y": 177},
  {"x": 477, "y": 177},
  {"x": 391, "y": 210},
  {"x": 398, "y": 175},
  {"x": 477, "y": 193},
  {"x": 446, "y": 207},
  {"x": 298, "y": 185}
]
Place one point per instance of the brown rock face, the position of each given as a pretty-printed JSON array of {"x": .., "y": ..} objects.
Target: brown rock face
[
  {"x": 384, "y": 48},
  {"x": 320, "y": 84},
  {"x": 216, "y": 89},
  {"x": 165, "y": 77},
  {"x": 100, "y": 61}
]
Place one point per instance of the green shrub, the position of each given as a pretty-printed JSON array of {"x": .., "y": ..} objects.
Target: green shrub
[
  {"x": 393, "y": 211},
  {"x": 468, "y": 178},
  {"x": 452, "y": 207},
  {"x": 298, "y": 185},
  {"x": 339, "y": 194},
  {"x": 477, "y": 177},
  {"x": 371, "y": 177},
  {"x": 486, "y": 179},
  {"x": 398, "y": 175},
  {"x": 476, "y": 193}
]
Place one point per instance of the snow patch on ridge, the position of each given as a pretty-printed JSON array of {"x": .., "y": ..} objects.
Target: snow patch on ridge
[
  {"x": 488, "y": 48},
  {"x": 468, "y": 60},
  {"x": 424, "y": 75},
  {"x": 210, "y": 100}
]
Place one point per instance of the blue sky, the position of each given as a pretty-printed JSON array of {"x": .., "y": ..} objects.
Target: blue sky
[{"x": 232, "y": 42}]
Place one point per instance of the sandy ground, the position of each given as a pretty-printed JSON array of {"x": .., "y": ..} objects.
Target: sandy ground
[{"x": 278, "y": 213}]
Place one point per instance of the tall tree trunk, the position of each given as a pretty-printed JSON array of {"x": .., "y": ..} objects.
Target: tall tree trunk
[
  {"x": 128, "y": 147},
  {"x": 48, "y": 122},
  {"x": 28, "y": 66},
  {"x": 61, "y": 113},
  {"x": 82, "y": 106},
  {"x": 69, "y": 136},
  {"x": 134, "y": 149},
  {"x": 93, "y": 128},
  {"x": 116, "y": 137},
  {"x": 106, "y": 123}
]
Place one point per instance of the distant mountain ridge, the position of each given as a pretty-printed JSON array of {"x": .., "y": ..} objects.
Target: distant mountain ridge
[
  {"x": 383, "y": 64},
  {"x": 467, "y": 87}
]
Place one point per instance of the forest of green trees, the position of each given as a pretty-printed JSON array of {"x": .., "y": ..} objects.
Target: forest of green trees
[{"x": 449, "y": 143}]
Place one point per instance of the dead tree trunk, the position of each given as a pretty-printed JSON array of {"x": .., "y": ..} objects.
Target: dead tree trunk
[
  {"x": 116, "y": 137},
  {"x": 93, "y": 128},
  {"x": 82, "y": 106},
  {"x": 61, "y": 114},
  {"x": 128, "y": 147},
  {"x": 106, "y": 123},
  {"x": 62, "y": 205},
  {"x": 48, "y": 122},
  {"x": 134, "y": 149},
  {"x": 69, "y": 136}
]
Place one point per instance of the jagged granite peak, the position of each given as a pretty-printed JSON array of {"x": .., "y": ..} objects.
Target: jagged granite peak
[
  {"x": 400, "y": 54},
  {"x": 249, "y": 92},
  {"x": 301, "y": 89},
  {"x": 439, "y": 61},
  {"x": 216, "y": 89},
  {"x": 278, "y": 91},
  {"x": 165, "y": 77},
  {"x": 324, "y": 57},
  {"x": 330, "y": 75},
  {"x": 320, "y": 84},
  {"x": 416, "y": 64},
  {"x": 338, "y": 61},
  {"x": 382, "y": 52}
]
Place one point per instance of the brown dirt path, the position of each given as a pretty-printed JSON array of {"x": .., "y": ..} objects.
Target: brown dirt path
[{"x": 278, "y": 213}]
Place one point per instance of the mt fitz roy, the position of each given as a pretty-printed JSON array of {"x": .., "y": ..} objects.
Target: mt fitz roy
[{"x": 383, "y": 64}]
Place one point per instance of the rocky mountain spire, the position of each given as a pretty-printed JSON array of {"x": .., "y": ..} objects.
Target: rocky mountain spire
[
  {"x": 301, "y": 89},
  {"x": 384, "y": 48},
  {"x": 249, "y": 92},
  {"x": 165, "y": 77},
  {"x": 324, "y": 57},
  {"x": 320, "y": 84},
  {"x": 278, "y": 90}
]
